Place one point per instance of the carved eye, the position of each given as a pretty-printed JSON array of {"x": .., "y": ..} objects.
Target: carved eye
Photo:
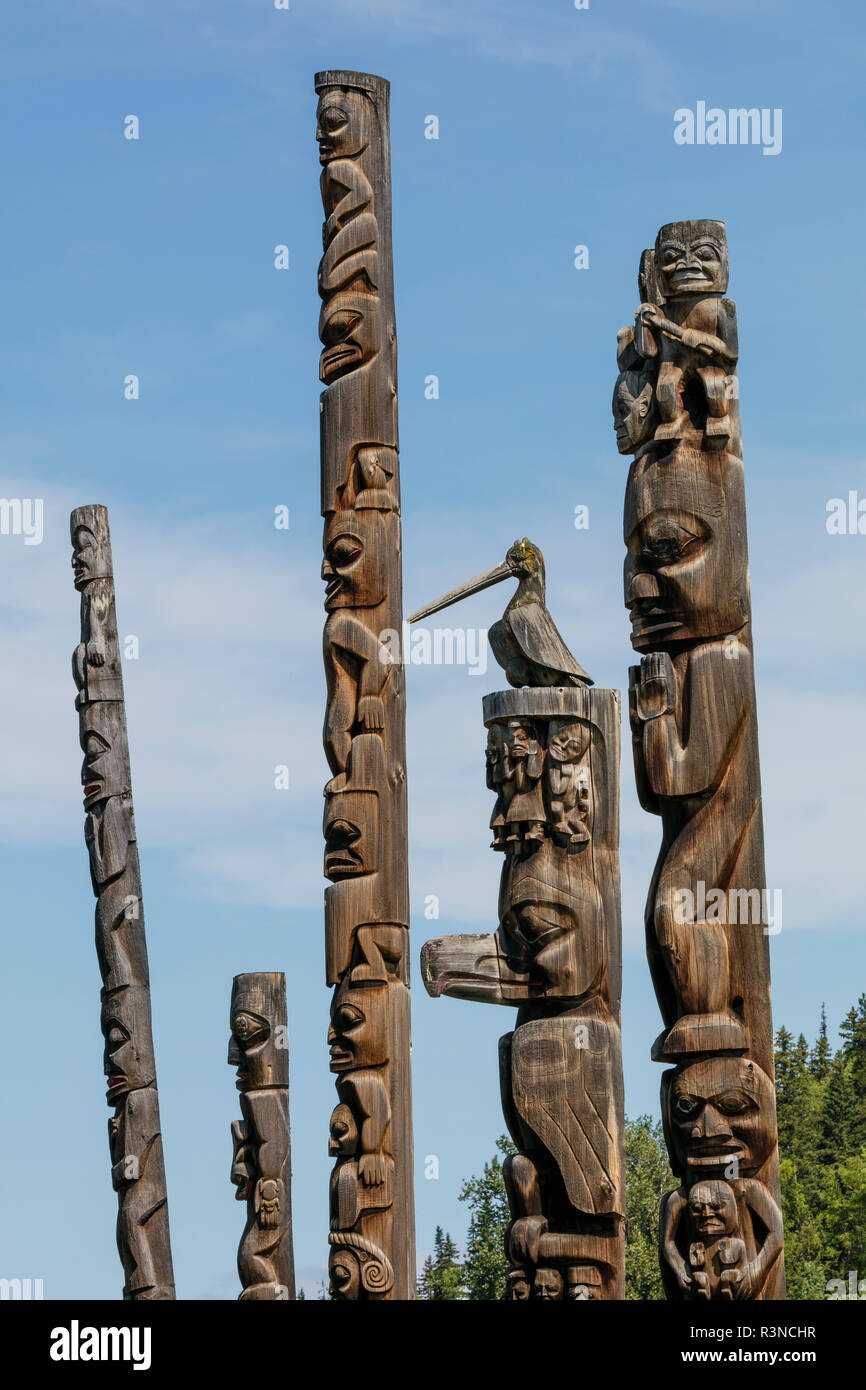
[
  {"x": 733, "y": 1103},
  {"x": 116, "y": 1036},
  {"x": 685, "y": 1107},
  {"x": 707, "y": 252},
  {"x": 339, "y": 326},
  {"x": 247, "y": 1028},
  {"x": 346, "y": 1017},
  {"x": 332, "y": 119},
  {"x": 344, "y": 551},
  {"x": 668, "y": 542},
  {"x": 671, "y": 254}
]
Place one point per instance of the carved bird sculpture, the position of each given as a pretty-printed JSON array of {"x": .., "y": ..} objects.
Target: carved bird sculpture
[{"x": 525, "y": 641}]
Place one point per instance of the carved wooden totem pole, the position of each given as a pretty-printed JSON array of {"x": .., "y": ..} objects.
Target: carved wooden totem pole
[
  {"x": 372, "y": 1236},
  {"x": 262, "y": 1163},
  {"x": 694, "y": 728},
  {"x": 553, "y": 764},
  {"x": 138, "y": 1173}
]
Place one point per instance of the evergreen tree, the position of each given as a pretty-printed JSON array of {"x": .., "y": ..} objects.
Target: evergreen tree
[
  {"x": 648, "y": 1178},
  {"x": 485, "y": 1263},
  {"x": 819, "y": 1059},
  {"x": 441, "y": 1272}
]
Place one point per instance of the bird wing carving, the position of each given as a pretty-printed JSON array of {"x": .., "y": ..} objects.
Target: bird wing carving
[
  {"x": 563, "y": 1090},
  {"x": 537, "y": 635}
]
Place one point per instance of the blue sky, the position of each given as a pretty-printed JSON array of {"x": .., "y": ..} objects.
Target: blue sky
[{"x": 155, "y": 257}]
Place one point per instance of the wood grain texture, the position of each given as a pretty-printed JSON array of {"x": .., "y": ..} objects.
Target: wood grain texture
[
  {"x": 553, "y": 766},
  {"x": 135, "y": 1138},
  {"x": 262, "y": 1159},
  {"x": 372, "y": 1236},
  {"x": 695, "y": 741}
]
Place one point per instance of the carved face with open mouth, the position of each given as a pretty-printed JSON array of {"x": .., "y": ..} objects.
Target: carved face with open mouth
[
  {"x": 349, "y": 538},
  {"x": 720, "y": 1115},
  {"x": 685, "y": 572},
  {"x": 121, "y": 1059},
  {"x": 90, "y": 554},
  {"x": 359, "y": 1036},
  {"x": 692, "y": 258},
  {"x": 249, "y": 1031},
  {"x": 258, "y": 1046}
]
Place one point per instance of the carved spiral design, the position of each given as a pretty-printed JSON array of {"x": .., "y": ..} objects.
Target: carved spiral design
[{"x": 377, "y": 1272}]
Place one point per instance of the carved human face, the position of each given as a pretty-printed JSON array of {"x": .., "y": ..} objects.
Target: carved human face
[
  {"x": 353, "y": 564},
  {"x": 104, "y": 763},
  {"x": 547, "y": 1284},
  {"x": 518, "y": 1286},
  {"x": 351, "y": 828},
  {"x": 633, "y": 415},
  {"x": 359, "y": 1035},
  {"x": 257, "y": 1046},
  {"x": 718, "y": 1112},
  {"x": 712, "y": 1210},
  {"x": 521, "y": 738},
  {"x": 91, "y": 552},
  {"x": 567, "y": 743},
  {"x": 692, "y": 258},
  {"x": 349, "y": 331},
  {"x": 343, "y": 1142},
  {"x": 123, "y": 1065},
  {"x": 685, "y": 574},
  {"x": 493, "y": 755},
  {"x": 342, "y": 123},
  {"x": 344, "y": 1274}
]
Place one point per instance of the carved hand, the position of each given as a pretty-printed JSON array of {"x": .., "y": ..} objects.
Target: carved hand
[
  {"x": 95, "y": 655},
  {"x": 740, "y": 1283},
  {"x": 651, "y": 315},
  {"x": 371, "y": 714},
  {"x": 371, "y": 1169},
  {"x": 655, "y": 694}
]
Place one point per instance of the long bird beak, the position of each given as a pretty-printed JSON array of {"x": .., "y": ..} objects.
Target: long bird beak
[{"x": 472, "y": 586}]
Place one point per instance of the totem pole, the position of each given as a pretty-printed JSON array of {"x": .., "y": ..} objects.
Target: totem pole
[
  {"x": 553, "y": 764},
  {"x": 372, "y": 1236},
  {"x": 695, "y": 738},
  {"x": 135, "y": 1140},
  {"x": 262, "y": 1162}
]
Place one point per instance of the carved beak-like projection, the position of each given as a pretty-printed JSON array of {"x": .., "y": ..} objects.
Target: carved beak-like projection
[{"x": 472, "y": 586}]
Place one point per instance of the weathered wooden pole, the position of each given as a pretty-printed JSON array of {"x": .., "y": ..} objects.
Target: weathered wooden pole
[
  {"x": 138, "y": 1172},
  {"x": 695, "y": 742},
  {"x": 262, "y": 1160},
  {"x": 372, "y": 1235},
  {"x": 553, "y": 761}
]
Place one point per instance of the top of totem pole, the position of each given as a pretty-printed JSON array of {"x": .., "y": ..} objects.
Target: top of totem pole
[{"x": 343, "y": 77}]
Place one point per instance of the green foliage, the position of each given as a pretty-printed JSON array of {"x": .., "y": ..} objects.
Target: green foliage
[
  {"x": 441, "y": 1273},
  {"x": 484, "y": 1265},
  {"x": 648, "y": 1178}
]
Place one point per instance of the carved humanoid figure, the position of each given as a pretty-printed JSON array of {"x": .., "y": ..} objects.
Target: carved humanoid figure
[
  {"x": 719, "y": 1240},
  {"x": 568, "y": 782},
  {"x": 523, "y": 765},
  {"x": 695, "y": 333},
  {"x": 261, "y": 1165},
  {"x": 499, "y": 783}
]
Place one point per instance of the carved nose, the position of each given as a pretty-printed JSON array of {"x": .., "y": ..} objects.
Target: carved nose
[
  {"x": 642, "y": 585},
  {"x": 715, "y": 1124}
]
